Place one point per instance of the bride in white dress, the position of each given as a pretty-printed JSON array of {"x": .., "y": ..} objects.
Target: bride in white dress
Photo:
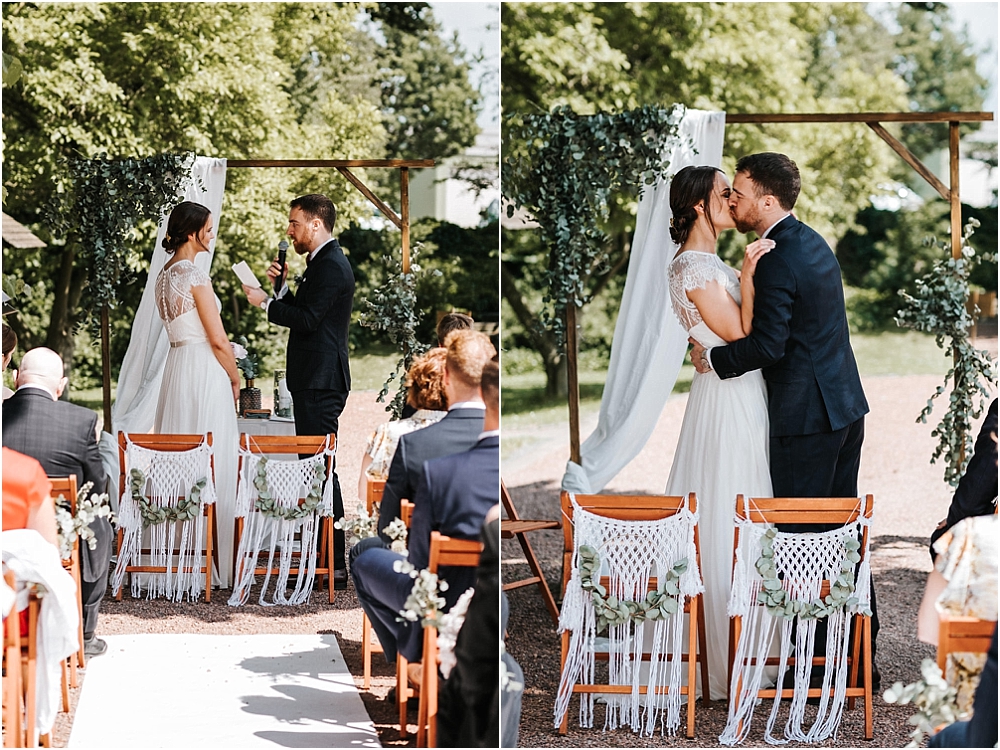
[
  {"x": 200, "y": 382},
  {"x": 722, "y": 450}
]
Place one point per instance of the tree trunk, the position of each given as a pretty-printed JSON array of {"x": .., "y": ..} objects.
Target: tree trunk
[
  {"x": 66, "y": 295},
  {"x": 544, "y": 343}
]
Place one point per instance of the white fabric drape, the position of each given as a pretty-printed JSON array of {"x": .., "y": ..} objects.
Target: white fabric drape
[
  {"x": 649, "y": 343},
  {"x": 142, "y": 369}
]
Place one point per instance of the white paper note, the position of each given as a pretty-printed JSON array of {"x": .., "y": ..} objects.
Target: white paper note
[{"x": 242, "y": 270}]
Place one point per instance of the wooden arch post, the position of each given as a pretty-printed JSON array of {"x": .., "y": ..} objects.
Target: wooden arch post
[
  {"x": 874, "y": 121},
  {"x": 401, "y": 220}
]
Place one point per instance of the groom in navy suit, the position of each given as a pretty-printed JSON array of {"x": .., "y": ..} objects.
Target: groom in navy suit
[
  {"x": 453, "y": 496},
  {"x": 800, "y": 342},
  {"x": 317, "y": 315}
]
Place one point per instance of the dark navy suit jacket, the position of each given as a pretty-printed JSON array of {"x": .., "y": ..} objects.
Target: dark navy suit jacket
[
  {"x": 454, "y": 494},
  {"x": 62, "y": 437},
  {"x": 457, "y": 432},
  {"x": 318, "y": 315},
  {"x": 800, "y": 337}
]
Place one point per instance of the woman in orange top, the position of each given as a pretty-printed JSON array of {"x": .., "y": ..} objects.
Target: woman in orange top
[{"x": 27, "y": 496}]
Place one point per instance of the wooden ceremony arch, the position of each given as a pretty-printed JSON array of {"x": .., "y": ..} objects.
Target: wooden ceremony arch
[
  {"x": 401, "y": 220},
  {"x": 874, "y": 121}
]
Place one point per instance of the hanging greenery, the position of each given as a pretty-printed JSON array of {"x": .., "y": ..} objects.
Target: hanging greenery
[
  {"x": 392, "y": 308},
  {"x": 939, "y": 306},
  {"x": 187, "y": 508},
  {"x": 564, "y": 168},
  {"x": 108, "y": 199},
  {"x": 270, "y": 507}
]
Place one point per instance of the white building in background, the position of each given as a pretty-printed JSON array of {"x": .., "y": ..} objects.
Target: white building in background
[
  {"x": 977, "y": 181},
  {"x": 441, "y": 192}
]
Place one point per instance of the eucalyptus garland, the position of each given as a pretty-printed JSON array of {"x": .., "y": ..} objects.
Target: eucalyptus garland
[
  {"x": 366, "y": 526},
  {"x": 108, "y": 199},
  {"x": 610, "y": 610},
  {"x": 779, "y": 604},
  {"x": 392, "y": 308},
  {"x": 89, "y": 507},
  {"x": 939, "y": 306},
  {"x": 270, "y": 507},
  {"x": 425, "y": 603},
  {"x": 564, "y": 168},
  {"x": 187, "y": 508}
]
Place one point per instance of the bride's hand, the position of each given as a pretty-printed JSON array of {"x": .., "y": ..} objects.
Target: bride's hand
[
  {"x": 236, "y": 392},
  {"x": 754, "y": 252}
]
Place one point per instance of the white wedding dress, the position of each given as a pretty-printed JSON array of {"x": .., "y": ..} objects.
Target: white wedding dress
[
  {"x": 196, "y": 395},
  {"x": 722, "y": 451}
]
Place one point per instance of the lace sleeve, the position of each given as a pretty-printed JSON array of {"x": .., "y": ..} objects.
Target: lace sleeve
[
  {"x": 692, "y": 270},
  {"x": 192, "y": 276}
]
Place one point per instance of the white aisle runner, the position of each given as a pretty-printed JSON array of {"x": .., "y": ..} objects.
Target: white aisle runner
[{"x": 213, "y": 691}]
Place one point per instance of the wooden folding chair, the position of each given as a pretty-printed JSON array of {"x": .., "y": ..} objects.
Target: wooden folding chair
[
  {"x": 445, "y": 551},
  {"x": 66, "y": 487},
  {"x": 170, "y": 443},
  {"x": 640, "y": 508},
  {"x": 829, "y": 511},
  {"x": 374, "y": 495},
  {"x": 958, "y": 634},
  {"x": 13, "y": 678},
  {"x": 515, "y": 527},
  {"x": 403, "y": 690},
  {"x": 292, "y": 445}
]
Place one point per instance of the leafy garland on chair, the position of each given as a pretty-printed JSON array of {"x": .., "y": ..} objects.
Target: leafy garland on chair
[
  {"x": 267, "y": 505},
  {"x": 425, "y": 603},
  {"x": 936, "y": 701},
  {"x": 610, "y": 610},
  {"x": 939, "y": 306},
  {"x": 776, "y": 599},
  {"x": 187, "y": 508}
]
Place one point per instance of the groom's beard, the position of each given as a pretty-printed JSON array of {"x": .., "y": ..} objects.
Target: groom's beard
[{"x": 748, "y": 222}]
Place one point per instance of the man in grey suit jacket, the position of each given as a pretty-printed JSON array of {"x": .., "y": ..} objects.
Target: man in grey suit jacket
[{"x": 62, "y": 437}]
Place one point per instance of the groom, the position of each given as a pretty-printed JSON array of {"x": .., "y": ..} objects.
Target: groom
[
  {"x": 800, "y": 341},
  {"x": 317, "y": 315}
]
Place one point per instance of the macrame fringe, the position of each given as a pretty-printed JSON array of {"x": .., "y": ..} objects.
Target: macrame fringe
[
  {"x": 803, "y": 562},
  {"x": 169, "y": 477},
  {"x": 630, "y": 552},
  {"x": 292, "y": 542}
]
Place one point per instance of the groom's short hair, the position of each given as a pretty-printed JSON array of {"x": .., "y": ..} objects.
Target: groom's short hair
[
  {"x": 319, "y": 207},
  {"x": 772, "y": 174}
]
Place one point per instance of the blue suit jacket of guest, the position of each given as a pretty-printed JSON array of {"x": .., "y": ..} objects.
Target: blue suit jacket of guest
[
  {"x": 800, "y": 338},
  {"x": 454, "y": 494}
]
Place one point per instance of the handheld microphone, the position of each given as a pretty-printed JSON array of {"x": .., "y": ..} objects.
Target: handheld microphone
[{"x": 282, "y": 252}]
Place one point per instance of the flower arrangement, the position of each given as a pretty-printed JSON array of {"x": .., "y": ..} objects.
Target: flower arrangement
[
  {"x": 248, "y": 362},
  {"x": 934, "y": 698},
  {"x": 425, "y": 603},
  {"x": 89, "y": 507},
  {"x": 365, "y": 526}
]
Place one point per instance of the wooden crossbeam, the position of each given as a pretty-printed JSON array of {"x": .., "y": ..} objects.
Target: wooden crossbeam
[{"x": 787, "y": 117}]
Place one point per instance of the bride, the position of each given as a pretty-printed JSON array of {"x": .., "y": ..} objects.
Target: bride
[
  {"x": 722, "y": 450},
  {"x": 200, "y": 382}
]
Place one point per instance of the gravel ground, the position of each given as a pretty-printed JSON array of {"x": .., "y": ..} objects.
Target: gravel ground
[
  {"x": 343, "y": 618},
  {"x": 910, "y": 497}
]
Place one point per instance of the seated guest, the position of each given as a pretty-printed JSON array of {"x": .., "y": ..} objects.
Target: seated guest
[
  {"x": 425, "y": 392},
  {"x": 469, "y": 701},
  {"x": 453, "y": 321},
  {"x": 9, "y": 345},
  {"x": 447, "y": 324},
  {"x": 62, "y": 437},
  {"x": 977, "y": 489},
  {"x": 453, "y": 496},
  {"x": 27, "y": 496},
  {"x": 981, "y": 729},
  {"x": 467, "y": 354}
]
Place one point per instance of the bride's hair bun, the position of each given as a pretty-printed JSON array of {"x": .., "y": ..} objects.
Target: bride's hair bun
[
  {"x": 690, "y": 186},
  {"x": 186, "y": 219}
]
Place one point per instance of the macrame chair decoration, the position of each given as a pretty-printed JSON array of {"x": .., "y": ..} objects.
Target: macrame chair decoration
[
  {"x": 288, "y": 482},
  {"x": 66, "y": 487},
  {"x": 170, "y": 466},
  {"x": 632, "y": 534},
  {"x": 457, "y": 553},
  {"x": 403, "y": 690},
  {"x": 807, "y": 566},
  {"x": 373, "y": 495}
]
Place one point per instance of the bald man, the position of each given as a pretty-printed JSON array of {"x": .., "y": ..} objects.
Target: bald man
[{"x": 62, "y": 437}]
